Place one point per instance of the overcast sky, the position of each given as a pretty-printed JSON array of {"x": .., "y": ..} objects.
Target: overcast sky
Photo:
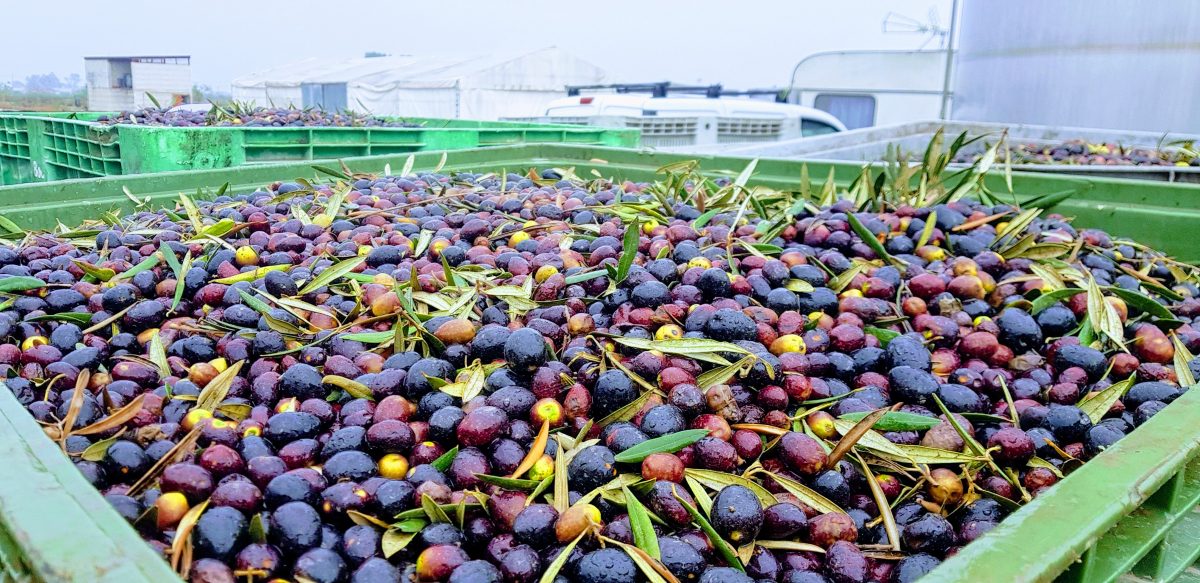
[{"x": 743, "y": 43}]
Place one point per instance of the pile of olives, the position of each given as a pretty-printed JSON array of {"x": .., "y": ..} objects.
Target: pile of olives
[{"x": 481, "y": 378}]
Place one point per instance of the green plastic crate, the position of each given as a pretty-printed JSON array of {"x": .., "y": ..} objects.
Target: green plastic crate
[
  {"x": 37, "y": 147},
  {"x": 1130, "y": 514}
]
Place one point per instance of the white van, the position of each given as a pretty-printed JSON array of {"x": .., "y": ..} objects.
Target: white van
[{"x": 692, "y": 119}]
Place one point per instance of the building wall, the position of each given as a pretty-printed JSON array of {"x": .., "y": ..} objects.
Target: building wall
[
  {"x": 1084, "y": 63},
  {"x": 165, "y": 81},
  {"x": 102, "y": 96}
]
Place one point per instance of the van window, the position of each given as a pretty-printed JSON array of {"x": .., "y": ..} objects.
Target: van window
[
  {"x": 812, "y": 127},
  {"x": 855, "y": 111}
]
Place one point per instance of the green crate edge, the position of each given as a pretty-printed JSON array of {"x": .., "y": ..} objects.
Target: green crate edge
[
  {"x": 1161, "y": 452},
  {"x": 83, "y": 148},
  {"x": 55, "y": 525},
  {"x": 1158, "y": 214}
]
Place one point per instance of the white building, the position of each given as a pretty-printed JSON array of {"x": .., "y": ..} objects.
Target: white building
[
  {"x": 475, "y": 87},
  {"x": 123, "y": 83}
]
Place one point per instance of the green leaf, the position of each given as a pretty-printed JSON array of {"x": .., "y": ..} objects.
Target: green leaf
[
  {"x": 1050, "y": 298},
  {"x": 868, "y": 239},
  {"x": 1097, "y": 405},
  {"x": 884, "y": 335},
  {"x": 927, "y": 232},
  {"x": 639, "y": 523},
  {"x": 179, "y": 286},
  {"x": 696, "y": 348},
  {"x": 721, "y": 375},
  {"x": 560, "y": 561},
  {"x": 804, "y": 493},
  {"x": 718, "y": 543},
  {"x": 158, "y": 355},
  {"x": 442, "y": 463},
  {"x": 704, "y": 218},
  {"x": 586, "y": 276},
  {"x": 508, "y": 483},
  {"x": 629, "y": 249},
  {"x": 799, "y": 286},
  {"x": 96, "y": 451},
  {"x": 18, "y": 283},
  {"x": 1182, "y": 357},
  {"x": 100, "y": 273},
  {"x": 394, "y": 541},
  {"x": 148, "y": 263},
  {"x": 670, "y": 443},
  {"x": 331, "y": 274},
  {"x": 1141, "y": 302},
  {"x": 370, "y": 337},
  {"x": 79, "y": 318},
  {"x": 718, "y": 480},
  {"x": 432, "y": 510},
  {"x": 258, "y": 305},
  {"x": 788, "y": 545},
  {"x": 896, "y": 421},
  {"x": 699, "y": 493}
]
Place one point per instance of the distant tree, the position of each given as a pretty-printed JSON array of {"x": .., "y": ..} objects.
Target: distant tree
[
  {"x": 74, "y": 82},
  {"x": 373, "y": 54},
  {"x": 205, "y": 94},
  {"x": 46, "y": 83}
]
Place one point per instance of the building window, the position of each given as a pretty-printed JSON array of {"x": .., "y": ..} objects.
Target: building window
[
  {"x": 855, "y": 111},
  {"x": 812, "y": 127}
]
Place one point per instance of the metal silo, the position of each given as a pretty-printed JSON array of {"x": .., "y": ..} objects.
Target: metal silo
[{"x": 1085, "y": 63}]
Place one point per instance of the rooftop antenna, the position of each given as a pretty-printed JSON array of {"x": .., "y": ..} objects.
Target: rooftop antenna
[{"x": 896, "y": 23}]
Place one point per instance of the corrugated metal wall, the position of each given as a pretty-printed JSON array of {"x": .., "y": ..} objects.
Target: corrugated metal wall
[{"x": 1088, "y": 63}]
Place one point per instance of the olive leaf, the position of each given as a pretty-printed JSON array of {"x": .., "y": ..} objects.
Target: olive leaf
[
  {"x": 115, "y": 419},
  {"x": 721, "y": 545},
  {"x": 183, "y": 533},
  {"x": 721, "y": 375},
  {"x": 852, "y": 435},
  {"x": 639, "y": 522},
  {"x": 536, "y": 451},
  {"x": 896, "y": 421},
  {"x": 788, "y": 545},
  {"x": 885, "y": 509},
  {"x": 629, "y": 249},
  {"x": 353, "y": 388},
  {"x": 696, "y": 348},
  {"x": 670, "y": 443},
  {"x": 18, "y": 283},
  {"x": 870, "y": 240},
  {"x": 1103, "y": 316},
  {"x": 253, "y": 274},
  {"x": 218, "y": 388},
  {"x": 927, "y": 232},
  {"x": 1182, "y": 358},
  {"x": 96, "y": 451},
  {"x": 158, "y": 355},
  {"x": 363, "y": 519},
  {"x": 331, "y": 274},
  {"x": 561, "y": 560},
  {"x": 699, "y": 493},
  {"x": 433, "y": 510},
  {"x": 804, "y": 493},
  {"x": 394, "y": 541},
  {"x": 884, "y": 335},
  {"x": 562, "y": 494},
  {"x": 718, "y": 480},
  {"x": 1098, "y": 404},
  {"x": 442, "y": 463}
]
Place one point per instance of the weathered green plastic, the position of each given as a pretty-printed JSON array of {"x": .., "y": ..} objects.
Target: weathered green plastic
[
  {"x": 40, "y": 147},
  {"x": 54, "y": 526},
  {"x": 1130, "y": 514}
]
